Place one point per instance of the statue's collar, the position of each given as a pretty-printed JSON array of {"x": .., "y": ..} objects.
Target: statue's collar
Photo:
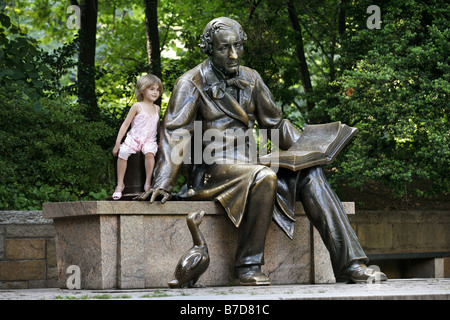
[{"x": 215, "y": 87}]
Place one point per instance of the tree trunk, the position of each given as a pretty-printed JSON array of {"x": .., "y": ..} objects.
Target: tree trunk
[
  {"x": 86, "y": 58},
  {"x": 305, "y": 76},
  {"x": 152, "y": 34},
  {"x": 341, "y": 17},
  {"x": 341, "y": 30}
]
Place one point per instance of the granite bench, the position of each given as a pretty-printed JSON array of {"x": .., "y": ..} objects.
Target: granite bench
[{"x": 133, "y": 244}]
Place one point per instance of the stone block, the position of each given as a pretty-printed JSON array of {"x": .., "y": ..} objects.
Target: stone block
[
  {"x": 131, "y": 252},
  {"x": 23, "y": 217},
  {"x": 132, "y": 244},
  {"x": 2, "y": 243},
  {"x": 380, "y": 236},
  {"x": 5, "y": 285},
  {"x": 322, "y": 268},
  {"x": 25, "y": 249},
  {"x": 91, "y": 244},
  {"x": 30, "y": 231},
  {"x": 50, "y": 255},
  {"x": 36, "y": 284},
  {"x": 22, "y": 270},
  {"x": 382, "y": 232},
  {"x": 289, "y": 261},
  {"x": 167, "y": 238},
  {"x": 421, "y": 236}
]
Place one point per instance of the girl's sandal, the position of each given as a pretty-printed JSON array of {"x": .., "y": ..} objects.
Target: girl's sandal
[
  {"x": 146, "y": 187},
  {"x": 118, "y": 193}
]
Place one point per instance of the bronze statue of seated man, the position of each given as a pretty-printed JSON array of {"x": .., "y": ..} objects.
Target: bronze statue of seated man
[{"x": 220, "y": 94}]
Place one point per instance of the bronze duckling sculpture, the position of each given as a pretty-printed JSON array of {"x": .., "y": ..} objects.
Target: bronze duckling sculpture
[{"x": 194, "y": 262}]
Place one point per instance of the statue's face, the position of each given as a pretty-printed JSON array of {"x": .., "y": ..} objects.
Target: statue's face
[{"x": 228, "y": 48}]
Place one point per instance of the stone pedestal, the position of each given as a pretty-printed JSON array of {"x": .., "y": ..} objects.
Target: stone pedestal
[{"x": 132, "y": 244}]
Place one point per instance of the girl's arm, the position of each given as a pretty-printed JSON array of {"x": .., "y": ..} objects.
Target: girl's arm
[{"x": 124, "y": 127}]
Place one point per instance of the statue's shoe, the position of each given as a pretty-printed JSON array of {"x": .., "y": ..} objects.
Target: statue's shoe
[
  {"x": 360, "y": 273},
  {"x": 252, "y": 276}
]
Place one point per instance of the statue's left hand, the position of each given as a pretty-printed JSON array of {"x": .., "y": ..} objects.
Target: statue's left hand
[{"x": 153, "y": 194}]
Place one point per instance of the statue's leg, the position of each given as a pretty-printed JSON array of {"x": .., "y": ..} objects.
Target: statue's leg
[
  {"x": 253, "y": 229},
  {"x": 324, "y": 209},
  {"x": 247, "y": 193}
]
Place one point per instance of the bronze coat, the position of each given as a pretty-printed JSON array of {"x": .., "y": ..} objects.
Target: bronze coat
[{"x": 192, "y": 100}]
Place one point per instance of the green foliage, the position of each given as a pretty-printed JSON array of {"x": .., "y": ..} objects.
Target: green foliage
[
  {"x": 20, "y": 60},
  {"x": 401, "y": 88},
  {"x": 61, "y": 64},
  {"x": 49, "y": 152},
  {"x": 121, "y": 56},
  {"x": 23, "y": 64},
  {"x": 399, "y": 75}
]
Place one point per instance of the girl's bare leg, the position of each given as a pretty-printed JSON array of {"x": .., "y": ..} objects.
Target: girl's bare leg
[
  {"x": 121, "y": 169},
  {"x": 149, "y": 165}
]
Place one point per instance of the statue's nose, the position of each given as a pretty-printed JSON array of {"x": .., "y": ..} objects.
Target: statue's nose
[{"x": 233, "y": 53}]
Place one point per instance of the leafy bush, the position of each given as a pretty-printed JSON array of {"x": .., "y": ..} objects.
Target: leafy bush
[
  {"x": 20, "y": 60},
  {"x": 49, "y": 152},
  {"x": 396, "y": 93}
]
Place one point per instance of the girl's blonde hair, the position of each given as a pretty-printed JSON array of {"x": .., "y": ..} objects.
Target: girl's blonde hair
[{"x": 145, "y": 82}]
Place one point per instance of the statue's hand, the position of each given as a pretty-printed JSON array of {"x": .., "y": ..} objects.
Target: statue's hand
[{"x": 153, "y": 194}]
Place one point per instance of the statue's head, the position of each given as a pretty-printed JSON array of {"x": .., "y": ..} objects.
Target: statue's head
[{"x": 223, "y": 41}]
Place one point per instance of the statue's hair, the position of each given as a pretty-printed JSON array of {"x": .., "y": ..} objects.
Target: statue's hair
[
  {"x": 145, "y": 82},
  {"x": 206, "y": 44}
]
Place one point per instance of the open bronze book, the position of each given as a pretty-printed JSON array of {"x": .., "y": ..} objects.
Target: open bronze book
[{"x": 319, "y": 144}]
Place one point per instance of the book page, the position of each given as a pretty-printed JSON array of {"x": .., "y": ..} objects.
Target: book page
[
  {"x": 289, "y": 157},
  {"x": 317, "y": 137}
]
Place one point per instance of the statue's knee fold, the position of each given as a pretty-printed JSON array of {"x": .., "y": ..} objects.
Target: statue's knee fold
[{"x": 267, "y": 177}]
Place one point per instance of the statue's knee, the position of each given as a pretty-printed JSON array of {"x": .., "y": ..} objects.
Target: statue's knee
[
  {"x": 267, "y": 177},
  {"x": 312, "y": 178},
  {"x": 316, "y": 177}
]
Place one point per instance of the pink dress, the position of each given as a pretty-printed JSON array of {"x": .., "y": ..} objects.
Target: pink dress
[{"x": 142, "y": 135}]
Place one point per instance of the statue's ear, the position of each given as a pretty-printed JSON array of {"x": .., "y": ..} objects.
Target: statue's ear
[{"x": 206, "y": 45}]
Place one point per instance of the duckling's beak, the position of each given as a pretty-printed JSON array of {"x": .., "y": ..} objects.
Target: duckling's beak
[{"x": 202, "y": 213}]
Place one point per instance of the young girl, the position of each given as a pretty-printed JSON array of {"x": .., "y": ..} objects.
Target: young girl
[{"x": 144, "y": 119}]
